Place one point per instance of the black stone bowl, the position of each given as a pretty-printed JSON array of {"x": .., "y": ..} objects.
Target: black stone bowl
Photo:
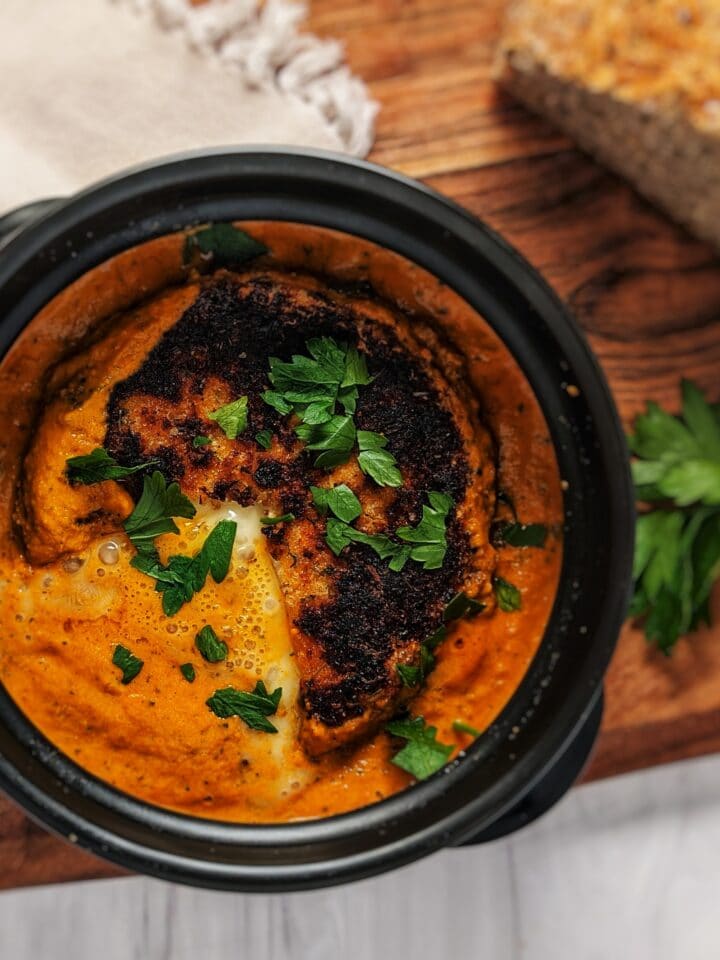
[{"x": 535, "y": 749}]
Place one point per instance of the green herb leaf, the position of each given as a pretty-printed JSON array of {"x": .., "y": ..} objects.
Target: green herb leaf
[
  {"x": 335, "y": 439},
  {"x": 188, "y": 671},
  {"x": 429, "y": 536},
  {"x": 377, "y": 462},
  {"x": 461, "y": 727},
  {"x": 252, "y": 708},
  {"x": 677, "y": 544},
  {"x": 277, "y": 402},
  {"x": 201, "y": 441},
  {"x": 423, "y": 754},
  {"x": 264, "y": 439},
  {"x": 462, "y": 605},
  {"x": 210, "y": 646},
  {"x": 98, "y": 466},
  {"x": 270, "y": 521},
  {"x": 183, "y": 577},
  {"x": 520, "y": 534},
  {"x": 154, "y": 511},
  {"x": 339, "y": 499},
  {"x": 232, "y": 418},
  {"x": 410, "y": 675},
  {"x": 217, "y": 549},
  {"x": 127, "y": 662},
  {"x": 226, "y": 244},
  {"x": 507, "y": 595}
]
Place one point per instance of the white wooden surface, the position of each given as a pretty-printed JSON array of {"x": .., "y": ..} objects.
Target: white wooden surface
[{"x": 627, "y": 869}]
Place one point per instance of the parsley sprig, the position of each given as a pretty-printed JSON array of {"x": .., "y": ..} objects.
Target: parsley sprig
[
  {"x": 322, "y": 391},
  {"x": 182, "y": 577},
  {"x": 154, "y": 512},
  {"x": 252, "y": 708},
  {"x": 677, "y": 545},
  {"x": 98, "y": 466},
  {"x": 425, "y": 543},
  {"x": 423, "y": 754}
]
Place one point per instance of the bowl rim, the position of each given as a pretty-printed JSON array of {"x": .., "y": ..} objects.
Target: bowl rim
[{"x": 396, "y": 829}]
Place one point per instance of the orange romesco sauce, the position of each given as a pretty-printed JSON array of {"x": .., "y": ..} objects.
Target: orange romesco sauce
[{"x": 155, "y": 738}]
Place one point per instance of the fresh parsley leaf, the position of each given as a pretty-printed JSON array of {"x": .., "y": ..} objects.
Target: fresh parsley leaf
[
  {"x": 127, "y": 662},
  {"x": 678, "y": 457},
  {"x": 275, "y": 400},
  {"x": 409, "y": 674},
  {"x": 210, "y": 646},
  {"x": 507, "y": 595},
  {"x": 200, "y": 441},
  {"x": 462, "y": 605},
  {"x": 188, "y": 671},
  {"x": 377, "y": 462},
  {"x": 270, "y": 521},
  {"x": 183, "y": 577},
  {"x": 340, "y": 500},
  {"x": 520, "y": 534},
  {"x": 334, "y": 439},
  {"x": 232, "y": 418},
  {"x": 98, "y": 466},
  {"x": 677, "y": 542},
  {"x": 461, "y": 727},
  {"x": 339, "y": 535},
  {"x": 154, "y": 512},
  {"x": 423, "y": 754},
  {"x": 429, "y": 536},
  {"x": 226, "y": 244},
  {"x": 252, "y": 708},
  {"x": 217, "y": 549},
  {"x": 264, "y": 439}
]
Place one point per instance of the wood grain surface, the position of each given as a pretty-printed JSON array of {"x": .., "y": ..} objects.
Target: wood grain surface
[{"x": 646, "y": 294}]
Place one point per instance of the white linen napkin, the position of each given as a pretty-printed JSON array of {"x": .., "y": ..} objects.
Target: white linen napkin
[{"x": 91, "y": 86}]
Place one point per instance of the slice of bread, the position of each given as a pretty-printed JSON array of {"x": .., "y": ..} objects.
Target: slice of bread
[{"x": 634, "y": 82}]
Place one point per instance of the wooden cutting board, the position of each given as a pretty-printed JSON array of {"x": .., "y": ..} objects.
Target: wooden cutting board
[{"x": 647, "y": 295}]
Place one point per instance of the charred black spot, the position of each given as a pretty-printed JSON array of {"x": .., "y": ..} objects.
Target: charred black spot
[
  {"x": 92, "y": 517},
  {"x": 270, "y": 474}
]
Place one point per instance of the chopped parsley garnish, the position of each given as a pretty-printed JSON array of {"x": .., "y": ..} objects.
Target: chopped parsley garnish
[
  {"x": 462, "y": 605},
  {"x": 210, "y": 646},
  {"x": 270, "y": 521},
  {"x": 461, "y": 727},
  {"x": 154, "y": 512},
  {"x": 232, "y": 418},
  {"x": 263, "y": 438},
  {"x": 252, "y": 708},
  {"x": 226, "y": 244},
  {"x": 428, "y": 537},
  {"x": 409, "y": 674},
  {"x": 188, "y": 671},
  {"x": 314, "y": 388},
  {"x": 98, "y": 466},
  {"x": 377, "y": 462},
  {"x": 333, "y": 438},
  {"x": 519, "y": 534},
  {"x": 423, "y": 754},
  {"x": 127, "y": 662},
  {"x": 339, "y": 500},
  {"x": 507, "y": 595},
  {"x": 677, "y": 542},
  {"x": 201, "y": 441},
  {"x": 427, "y": 541},
  {"x": 183, "y": 577}
]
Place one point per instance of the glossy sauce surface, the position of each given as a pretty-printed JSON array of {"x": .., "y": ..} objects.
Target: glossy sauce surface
[{"x": 155, "y": 738}]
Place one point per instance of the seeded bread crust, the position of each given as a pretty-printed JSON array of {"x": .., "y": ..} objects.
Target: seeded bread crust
[{"x": 636, "y": 83}]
